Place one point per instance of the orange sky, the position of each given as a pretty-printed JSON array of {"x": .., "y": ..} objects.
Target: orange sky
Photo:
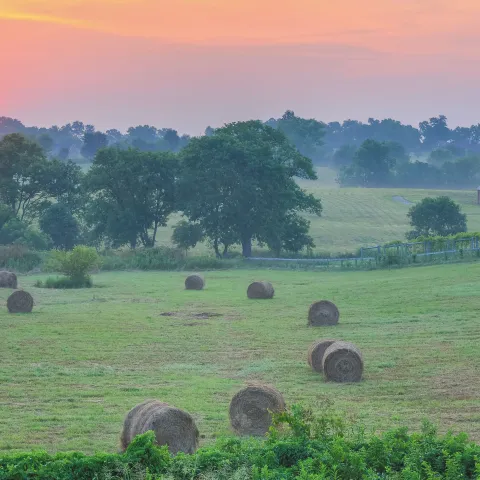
[{"x": 190, "y": 63}]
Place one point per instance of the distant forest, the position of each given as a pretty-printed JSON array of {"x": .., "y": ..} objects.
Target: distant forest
[{"x": 375, "y": 154}]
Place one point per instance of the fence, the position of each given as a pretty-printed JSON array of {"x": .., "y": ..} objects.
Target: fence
[{"x": 410, "y": 252}]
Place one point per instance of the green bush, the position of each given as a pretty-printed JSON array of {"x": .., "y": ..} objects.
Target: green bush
[
  {"x": 76, "y": 265},
  {"x": 300, "y": 445},
  {"x": 161, "y": 258},
  {"x": 65, "y": 282},
  {"x": 19, "y": 258}
]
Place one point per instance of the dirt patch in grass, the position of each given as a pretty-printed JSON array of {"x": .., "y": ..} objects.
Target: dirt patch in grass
[
  {"x": 456, "y": 385},
  {"x": 206, "y": 315},
  {"x": 202, "y": 315}
]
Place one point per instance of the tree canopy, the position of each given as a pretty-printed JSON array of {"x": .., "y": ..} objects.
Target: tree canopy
[
  {"x": 238, "y": 183},
  {"x": 436, "y": 216},
  {"x": 132, "y": 194}
]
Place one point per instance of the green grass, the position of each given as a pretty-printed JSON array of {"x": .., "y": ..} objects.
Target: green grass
[
  {"x": 356, "y": 217},
  {"x": 72, "y": 369}
]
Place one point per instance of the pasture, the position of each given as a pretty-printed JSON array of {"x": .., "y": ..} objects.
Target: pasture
[
  {"x": 356, "y": 217},
  {"x": 72, "y": 369}
]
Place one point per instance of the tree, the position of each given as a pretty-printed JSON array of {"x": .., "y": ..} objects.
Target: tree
[
  {"x": 187, "y": 235},
  {"x": 235, "y": 182},
  {"x": 435, "y": 132},
  {"x": 171, "y": 139},
  {"x": 436, "y": 216},
  {"x": 132, "y": 193},
  {"x": 92, "y": 143},
  {"x": 114, "y": 136},
  {"x": 289, "y": 234},
  {"x": 305, "y": 134},
  {"x": 397, "y": 151},
  {"x": 46, "y": 142},
  {"x": 344, "y": 156},
  {"x": 23, "y": 167},
  {"x": 372, "y": 166},
  {"x": 441, "y": 155},
  {"x": 14, "y": 231},
  {"x": 464, "y": 172},
  {"x": 418, "y": 174},
  {"x": 61, "y": 226}
]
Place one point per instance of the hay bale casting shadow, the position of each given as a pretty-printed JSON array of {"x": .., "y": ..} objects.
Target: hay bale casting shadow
[
  {"x": 20, "y": 302},
  {"x": 250, "y": 409},
  {"x": 194, "y": 282},
  {"x": 343, "y": 362},
  {"x": 260, "y": 290},
  {"x": 322, "y": 314},
  {"x": 172, "y": 427},
  {"x": 315, "y": 353},
  {"x": 8, "y": 279}
]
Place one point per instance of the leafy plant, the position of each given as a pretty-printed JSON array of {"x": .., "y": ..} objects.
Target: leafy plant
[{"x": 76, "y": 264}]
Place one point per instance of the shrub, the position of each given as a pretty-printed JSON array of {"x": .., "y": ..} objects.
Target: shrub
[
  {"x": 65, "y": 282},
  {"x": 300, "y": 445},
  {"x": 76, "y": 265},
  {"x": 18, "y": 258},
  {"x": 437, "y": 216},
  {"x": 187, "y": 235}
]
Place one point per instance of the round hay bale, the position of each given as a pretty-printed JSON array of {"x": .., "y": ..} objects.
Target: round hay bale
[
  {"x": 8, "y": 279},
  {"x": 323, "y": 313},
  {"x": 172, "y": 427},
  {"x": 20, "y": 302},
  {"x": 194, "y": 282},
  {"x": 250, "y": 409},
  {"x": 343, "y": 362},
  {"x": 260, "y": 290},
  {"x": 315, "y": 353}
]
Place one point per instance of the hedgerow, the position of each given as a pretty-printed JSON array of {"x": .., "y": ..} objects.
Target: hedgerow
[{"x": 300, "y": 446}]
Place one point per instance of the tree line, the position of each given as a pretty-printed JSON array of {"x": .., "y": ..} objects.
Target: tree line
[
  {"x": 313, "y": 138},
  {"x": 234, "y": 186},
  {"x": 387, "y": 164}
]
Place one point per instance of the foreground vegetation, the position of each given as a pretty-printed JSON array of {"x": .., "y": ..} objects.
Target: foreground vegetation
[
  {"x": 301, "y": 445},
  {"x": 72, "y": 369}
]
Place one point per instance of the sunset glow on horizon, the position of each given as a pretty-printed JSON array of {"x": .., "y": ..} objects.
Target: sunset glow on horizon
[{"x": 190, "y": 63}]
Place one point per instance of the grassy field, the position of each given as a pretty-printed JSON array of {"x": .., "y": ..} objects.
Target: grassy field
[
  {"x": 355, "y": 217},
  {"x": 73, "y": 368}
]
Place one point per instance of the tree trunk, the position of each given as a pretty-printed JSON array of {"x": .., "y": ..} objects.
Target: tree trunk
[
  {"x": 247, "y": 246},
  {"x": 225, "y": 250},
  {"x": 154, "y": 236},
  {"x": 215, "y": 247}
]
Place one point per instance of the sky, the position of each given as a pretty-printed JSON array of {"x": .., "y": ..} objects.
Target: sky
[{"x": 187, "y": 64}]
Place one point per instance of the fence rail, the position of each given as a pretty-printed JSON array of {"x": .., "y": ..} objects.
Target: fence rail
[{"x": 417, "y": 249}]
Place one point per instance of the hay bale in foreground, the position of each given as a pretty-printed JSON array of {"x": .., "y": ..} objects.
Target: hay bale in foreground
[
  {"x": 322, "y": 314},
  {"x": 172, "y": 427},
  {"x": 260, "y": 290},
  {"x": 8, "y": 279},
  {"x": 315, "y": 353},
  {"x": 343, "y": 362},
  {"x": 250, "y": 409},
  {"x": 20, "y": 302},
  {"x": 194, "y": 282}
]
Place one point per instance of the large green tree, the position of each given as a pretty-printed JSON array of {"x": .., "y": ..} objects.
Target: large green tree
[
  {"x": 132, "y": 194},
  {"x": 436, "y": 216},
  {"x": 29, "y": 181},
  {"x": 60, "y": 225},
  {"x": 371, "y": 167},
  {"x": 239, "y": 182}
]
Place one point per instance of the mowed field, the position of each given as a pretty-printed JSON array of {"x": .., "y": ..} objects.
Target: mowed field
[
  {"x": 71, "y": 370},
  {"x": 356, "y": 217}
]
